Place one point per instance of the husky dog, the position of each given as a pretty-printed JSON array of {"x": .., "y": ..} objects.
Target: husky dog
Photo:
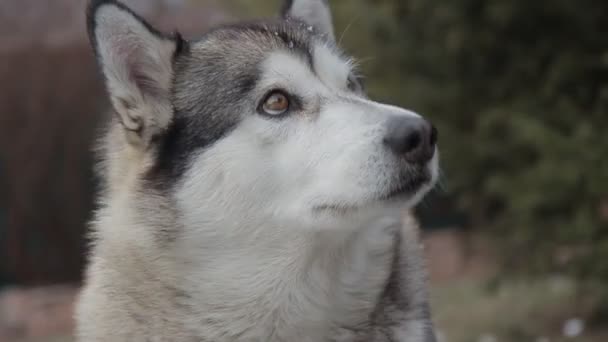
[{"x": 252, "y": 191}]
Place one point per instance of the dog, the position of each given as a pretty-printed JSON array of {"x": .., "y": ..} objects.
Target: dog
[{"x": 251, "y": 191}]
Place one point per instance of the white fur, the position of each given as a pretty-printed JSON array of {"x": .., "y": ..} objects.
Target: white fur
[
  {"x": 251, "y": 256},
  {"x": 331, "y": 69}
]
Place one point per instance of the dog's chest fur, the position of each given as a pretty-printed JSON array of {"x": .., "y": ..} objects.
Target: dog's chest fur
[{"x": 294, "y": 288}]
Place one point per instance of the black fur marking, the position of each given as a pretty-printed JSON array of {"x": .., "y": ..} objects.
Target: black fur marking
[
  {"x": 181, "y": 45},
  {"x": 286, "y": 8},
  {"x": 212, "y": 88}
]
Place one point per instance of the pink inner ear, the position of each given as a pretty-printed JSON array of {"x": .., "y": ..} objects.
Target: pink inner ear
[
  {"x": 146, "y": 84},
  {"x": 140, "y": 67},
  {"x": 132, "y": 53}
]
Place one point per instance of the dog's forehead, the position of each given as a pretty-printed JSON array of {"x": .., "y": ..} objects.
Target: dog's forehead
[
  {"x": 252, "y": 41},
  {"x": 240, "y": 47}
]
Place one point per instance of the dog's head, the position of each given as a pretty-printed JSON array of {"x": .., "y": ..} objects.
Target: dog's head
[{"x": 260, "y": 119}]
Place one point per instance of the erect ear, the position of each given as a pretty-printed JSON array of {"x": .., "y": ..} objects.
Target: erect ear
[
  {"x": 137, "y": 64},
  {"x": 313, "y": 12}
]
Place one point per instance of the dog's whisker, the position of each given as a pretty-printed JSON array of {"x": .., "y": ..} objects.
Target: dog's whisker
[{"x": 347, "y": 28}]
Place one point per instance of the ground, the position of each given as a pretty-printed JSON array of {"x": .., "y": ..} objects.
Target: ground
[{"x": 471, "y": 310}]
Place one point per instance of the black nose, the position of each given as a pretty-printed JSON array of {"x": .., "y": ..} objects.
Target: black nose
[{"x": 414, "y": 138}]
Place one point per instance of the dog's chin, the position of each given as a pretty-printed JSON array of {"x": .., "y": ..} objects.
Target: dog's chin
[
  {"x": 403, "y": 195},
  {"x": 408, "y": 193}
]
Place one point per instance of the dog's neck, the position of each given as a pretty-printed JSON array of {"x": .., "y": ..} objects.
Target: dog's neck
[
  {"x": 243, "y": 274},
  {"x": 330, "y": 278}
]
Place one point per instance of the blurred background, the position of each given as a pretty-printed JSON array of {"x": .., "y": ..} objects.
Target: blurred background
[{"x": 517, "y": 233}]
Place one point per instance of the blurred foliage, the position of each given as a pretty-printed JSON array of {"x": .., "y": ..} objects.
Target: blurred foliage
[{"x": 519, "y": 92}]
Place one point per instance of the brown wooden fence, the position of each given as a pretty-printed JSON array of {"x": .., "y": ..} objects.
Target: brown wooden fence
[{"x": 51, "y": 100}]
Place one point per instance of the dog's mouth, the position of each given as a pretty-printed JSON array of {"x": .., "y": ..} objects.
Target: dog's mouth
[
  {"x": 405, "y": 189},
  {"x": 402, "y": 192}
]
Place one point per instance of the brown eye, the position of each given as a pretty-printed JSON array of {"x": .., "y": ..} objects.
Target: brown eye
[{"x": 276, "y": 103}]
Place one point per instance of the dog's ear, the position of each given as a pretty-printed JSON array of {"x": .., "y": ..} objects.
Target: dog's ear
[
  {"x": 137, "y": 64},
  {"x": 313, "y": 12}
]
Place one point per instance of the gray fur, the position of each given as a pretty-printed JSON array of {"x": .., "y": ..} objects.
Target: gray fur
[
  {"x": 182, "y": 247},
  {"x": 315, "y": 13},
  {"x": 213, "y": 80}
]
